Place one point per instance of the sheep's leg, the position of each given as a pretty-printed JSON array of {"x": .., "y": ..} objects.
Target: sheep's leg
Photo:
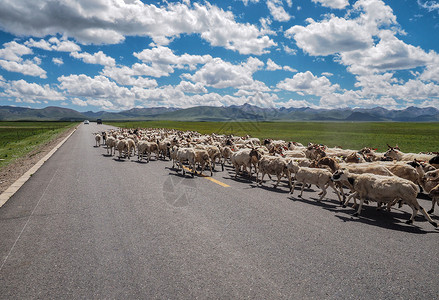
[
  {"x": 262, "y": 178},
  {"x": 335, "y": 190},
  {"x": 194, "y": 171},
  {"x": 415, "y": 207},
  {"x": 359, "y": 207},
  {"x": 301, "y": 190},
  {"x": 279, "y": 177},
  {"x": 289, "y": 179},
  {"x": 181, "y": 166},
  {"x": 292, "y": 188},
  {"x": 433, "y": 202},
  {"x": 349, "y": 198},
  {"x": 415, "y": 212},
  {"x": 236, "y": 170},
  {"x": 340, "y": 187},
  {"x": 323, "y": 192}
]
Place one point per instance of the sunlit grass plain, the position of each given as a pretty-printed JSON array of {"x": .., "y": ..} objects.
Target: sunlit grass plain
[
  {"x": 20, "y": 138},
  {"x": 410, "y": 137}
]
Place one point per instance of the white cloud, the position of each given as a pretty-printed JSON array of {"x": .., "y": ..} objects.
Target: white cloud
[
  {"x": 57, "y": 61},
  {"x": 54, "y": 44},
  {"x": 220, "y": 74},
  {"x": 13, "y": 51},
  {"x": 97, "y": 87},
  {"x": 108, "y": 22},
  {"x": 327, "y": 74},
  {"x": 24, "y": 90},
  {"x": 41, "y": 44},
  {"x": 295, "y": 104},
  {"x": 431, "y": 72},
  {"x": 105, "y": 104},
  {"x": 337, "y": 35},
  {"x": 133, "y": 76},
  {"x": 272, "y": 66},
  {"x": 339, "y": 4},
  {"x": 430, "y": 5},
  {"x": 189, "y": 87},
  {"x": 290, "y": 51},
  {"x": 98, "y": 58},
  {"x": 246, "y": 2},
  {"x": 277, "y": 10},
  {"x": 127, "y": 75},
  {"x": 389, "y": 54},
  {"x": 374, "y": 15},
  {"x": 26, "y": 67},
  {"x": 164, "y": 56},
  {"x": 353, "y": 98},
  {"x": 79, "y": 102},
  {"x": 330, "y": 36},
  {"x": 307, "y": 83}
]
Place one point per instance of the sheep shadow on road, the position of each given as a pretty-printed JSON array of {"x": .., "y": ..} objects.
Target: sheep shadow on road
[
  {"x": 387, "y": 221},
  {"x": 281, "y": 188},
  {"x": 393, "y": 220},
  {"x": 325, "y": 203}
]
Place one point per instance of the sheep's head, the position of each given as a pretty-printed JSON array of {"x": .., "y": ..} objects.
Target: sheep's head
[
  {"x": 255, "y": 155},
  {"x": 339, "y": 175},
  {"x": 392, "y": 153},
  {"x": 432, "y": 175},
  {"x": 293, "y": 166}
]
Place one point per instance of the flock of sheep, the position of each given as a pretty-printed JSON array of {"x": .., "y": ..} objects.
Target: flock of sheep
[{"x": 388, "y": 178}]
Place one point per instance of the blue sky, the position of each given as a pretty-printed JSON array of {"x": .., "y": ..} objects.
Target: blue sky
[{"x": 115, "y": 54}]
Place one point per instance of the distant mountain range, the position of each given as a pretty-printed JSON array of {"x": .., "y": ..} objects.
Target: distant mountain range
[{"x": 244, "y": 112}]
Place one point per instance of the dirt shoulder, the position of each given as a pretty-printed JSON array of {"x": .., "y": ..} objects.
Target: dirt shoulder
[{"x": 10, "y": 173}]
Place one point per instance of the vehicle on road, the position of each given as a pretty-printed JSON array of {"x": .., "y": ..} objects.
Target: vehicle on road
[
  {"x": 86, "y": 122},
  {"x": 99, "y": 121}
]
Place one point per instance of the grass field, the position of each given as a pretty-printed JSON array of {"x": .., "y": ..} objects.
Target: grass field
[
  {"x": 411, "y": 137},
  {"x": 19, "y": 138}
]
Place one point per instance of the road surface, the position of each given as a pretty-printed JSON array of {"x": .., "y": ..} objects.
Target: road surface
[{"x": 88, "y": 226}]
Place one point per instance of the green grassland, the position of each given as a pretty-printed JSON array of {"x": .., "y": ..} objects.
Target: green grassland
[
  {"x": 410, "y": 137},
  {"x": 20, "y": 138}
]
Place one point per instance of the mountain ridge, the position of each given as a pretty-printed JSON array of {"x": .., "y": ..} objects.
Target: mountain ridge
[{"x": 245, "y": 112}]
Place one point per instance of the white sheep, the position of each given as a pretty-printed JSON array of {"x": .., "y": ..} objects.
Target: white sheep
[
  {"x": 111, "y": 144},
  {"x": 396, "y": 154},
  {"x": 173, "y": 155},
  {"x": 273, "y": 165},
  {"x": 428, "y": 183},
  {"x": 202, "y": 158},
  {"x": 434, "y": 194},
  {"x": 242, "y": 158},
  {"x": 386, "y": 189},
  {"x": 98, "y": 139},
  {"x": 319, "y": 177},
  {"x": 186, "y": 154},
  {"x": 123, "y": 146}
]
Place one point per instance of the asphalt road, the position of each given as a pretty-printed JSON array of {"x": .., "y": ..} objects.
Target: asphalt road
[{"x": 87, "y": 226}]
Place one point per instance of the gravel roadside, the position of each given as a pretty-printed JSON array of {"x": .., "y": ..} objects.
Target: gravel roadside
[{"x": 10, "y": 173}]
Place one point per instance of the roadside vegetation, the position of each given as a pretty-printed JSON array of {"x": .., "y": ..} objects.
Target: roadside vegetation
[
  {"x": 410, "y": 137},
  {"x": 18, "y": 139}
]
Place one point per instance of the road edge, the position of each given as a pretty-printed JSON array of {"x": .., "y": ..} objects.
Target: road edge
[{"x": 13, "y": 188}]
